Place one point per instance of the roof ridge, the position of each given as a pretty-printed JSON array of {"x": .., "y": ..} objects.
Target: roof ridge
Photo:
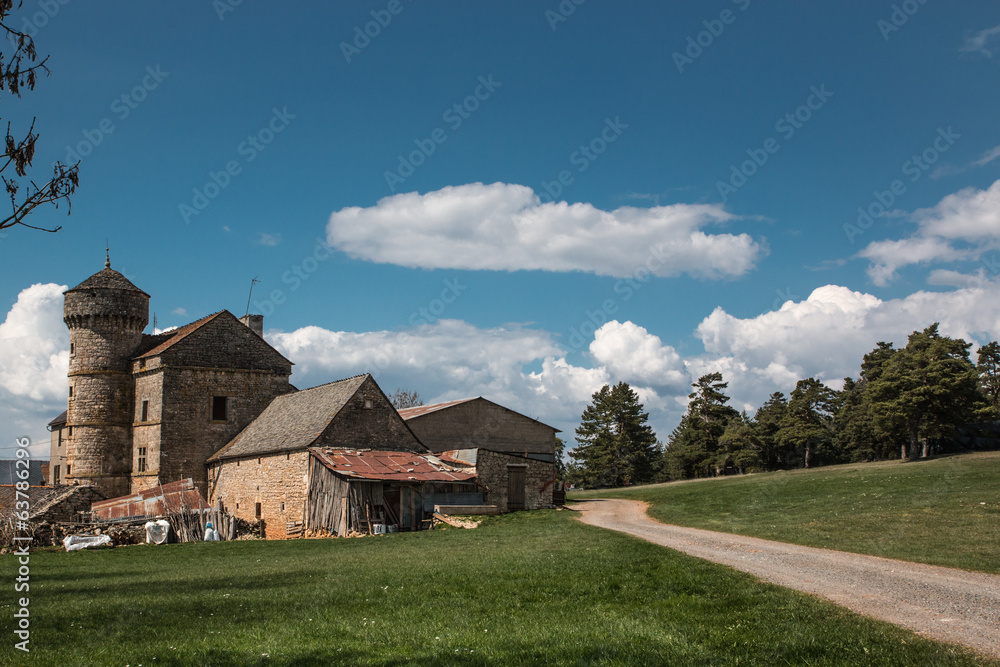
[
  {"x": 327, "y": 384},
  {"x": 178, "y": 334}
]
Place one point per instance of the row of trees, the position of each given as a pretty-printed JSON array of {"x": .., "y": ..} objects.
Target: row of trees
[{"x": 905, "y": 403}]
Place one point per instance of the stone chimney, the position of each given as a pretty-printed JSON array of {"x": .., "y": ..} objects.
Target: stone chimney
[{"x": 255, "y": 322}]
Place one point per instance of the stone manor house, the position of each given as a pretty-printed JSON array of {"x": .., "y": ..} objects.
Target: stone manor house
[{"x": 211, "y": 401}]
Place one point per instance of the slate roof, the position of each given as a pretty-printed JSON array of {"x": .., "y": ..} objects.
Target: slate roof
[
  {"x": 107, "y": 278},
  {"x": 420, "y": 410},
  {"x": 58, "y": 421},
  {"x": 36, "y": 471},
  {"x": 292, "y": 421},
  {"x": 38, "y": 496},
  {"x": 177, "y": 335},
  {"x": 389, "y": 466}
]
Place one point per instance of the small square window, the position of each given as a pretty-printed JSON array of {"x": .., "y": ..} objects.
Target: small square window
[
  {"x": 368, "y": 404},
  {"x": 219, "y": 408},
  {"x": 142, "y": 364},
  {"x": 145, "y": 411}
]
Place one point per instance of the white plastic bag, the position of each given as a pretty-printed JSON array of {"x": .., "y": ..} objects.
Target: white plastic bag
[
  {"x": 77, "y": 542},
  {"x": 157, "y": 532}
]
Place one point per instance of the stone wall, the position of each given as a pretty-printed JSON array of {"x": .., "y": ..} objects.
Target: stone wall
[
  {"x": 492, "y": 475},
  {"x": 278, "y": 482},
  {"x": 482, "y": 424},
  {"x": 188, "y": 434},
  {"x": 147, "y": 433},
  {"x": 375, "y": 427},
  {"x": 225, "y": 342},
  {"x": 105, "y": 327},
  {"x": 65, "y": 503}
]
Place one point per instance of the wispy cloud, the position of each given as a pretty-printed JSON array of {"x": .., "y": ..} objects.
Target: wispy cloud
[
  {"x": 179, "y": 311},
  {"x": 982, "y": 42},
  {"x": 984, "y": 159},
  {"x": 269, "y": 239}
]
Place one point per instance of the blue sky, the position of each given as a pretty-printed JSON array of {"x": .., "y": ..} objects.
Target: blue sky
[{"x": 398, "y": 195}]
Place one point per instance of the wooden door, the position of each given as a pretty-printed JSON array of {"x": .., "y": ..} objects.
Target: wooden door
[{"x": 515, "y": 488}]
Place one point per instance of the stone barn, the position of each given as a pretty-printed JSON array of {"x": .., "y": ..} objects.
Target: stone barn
[
  {"x": 263, "y": 473},
  {"x": 477, "y": 423}
]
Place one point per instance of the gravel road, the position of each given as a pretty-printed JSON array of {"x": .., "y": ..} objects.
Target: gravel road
[{"x": 937, "y": 602}]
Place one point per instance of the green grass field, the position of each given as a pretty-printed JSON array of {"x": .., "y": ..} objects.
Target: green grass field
[
  {"x": 944, "y": 511},
  {"x": 533, "y": 588}
]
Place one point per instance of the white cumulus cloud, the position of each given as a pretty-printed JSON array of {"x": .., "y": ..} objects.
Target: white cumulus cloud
[
  {"x": 826, "y": 335},
  {"x": 962, "y": 226},
  {"x": 631, "y": 353},
  {"x": 505, "y": 227},
  {"x": 34, "y": 359},
  {"x": 34, "y": 345}
]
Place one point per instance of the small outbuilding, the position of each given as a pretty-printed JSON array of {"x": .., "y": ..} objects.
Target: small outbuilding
[
  {"x": 509, "y": 482},
  {"x": 370, "y": 491},
  {"x": 478, "y": 423}
]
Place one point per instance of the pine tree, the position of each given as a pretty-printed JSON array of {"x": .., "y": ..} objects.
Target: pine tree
[
  {"x": 616, "y": 445},
  {"x": 693, "y": 449},
  {"x": 806, "y": 427},
  {"x": 988, "y": 369},
  {"x": 854, "y": 432},
  {"x": 740, "y": 447},
  {"x": 927, "y": 390},
  {"x": 767, "y": 423}
]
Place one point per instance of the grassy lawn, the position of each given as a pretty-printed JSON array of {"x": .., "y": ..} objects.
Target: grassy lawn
[
  {"x": 534, "y": 588},
  {"x": 944, "y": 511}
]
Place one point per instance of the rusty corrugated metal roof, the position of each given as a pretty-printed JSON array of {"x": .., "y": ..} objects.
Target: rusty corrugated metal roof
[
  {"x": 460, "y": 457},
  {"x": 157, "y": 501},
  {"x": 389, "y": 466}
]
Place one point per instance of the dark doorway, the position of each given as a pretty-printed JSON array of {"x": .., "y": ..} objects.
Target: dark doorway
[{"x": 515, "y": 488}]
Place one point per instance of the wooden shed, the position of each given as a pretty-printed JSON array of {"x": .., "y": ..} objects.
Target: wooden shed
[{"x": 352, "y": 491}]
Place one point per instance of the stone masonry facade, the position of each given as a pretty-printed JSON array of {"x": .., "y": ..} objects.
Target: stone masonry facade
[
  {"x": 146, "y": 409},
  {"x": 376, "y": 427},
  {"x": 479, "y": 423},
  {"x": 277, "y": 482},
  {"x": 493, "y": 473},
  {"x": 105, "y": 318}
]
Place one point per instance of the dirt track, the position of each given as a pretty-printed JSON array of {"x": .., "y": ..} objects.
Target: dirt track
[{"x": 937, "y": 602}]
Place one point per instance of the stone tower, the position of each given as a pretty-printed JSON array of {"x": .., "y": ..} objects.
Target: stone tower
[{"x": 106, "y": 315}]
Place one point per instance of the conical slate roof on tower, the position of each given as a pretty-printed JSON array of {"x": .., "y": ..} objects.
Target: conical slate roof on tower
[{"x": 107, "y": 278}]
